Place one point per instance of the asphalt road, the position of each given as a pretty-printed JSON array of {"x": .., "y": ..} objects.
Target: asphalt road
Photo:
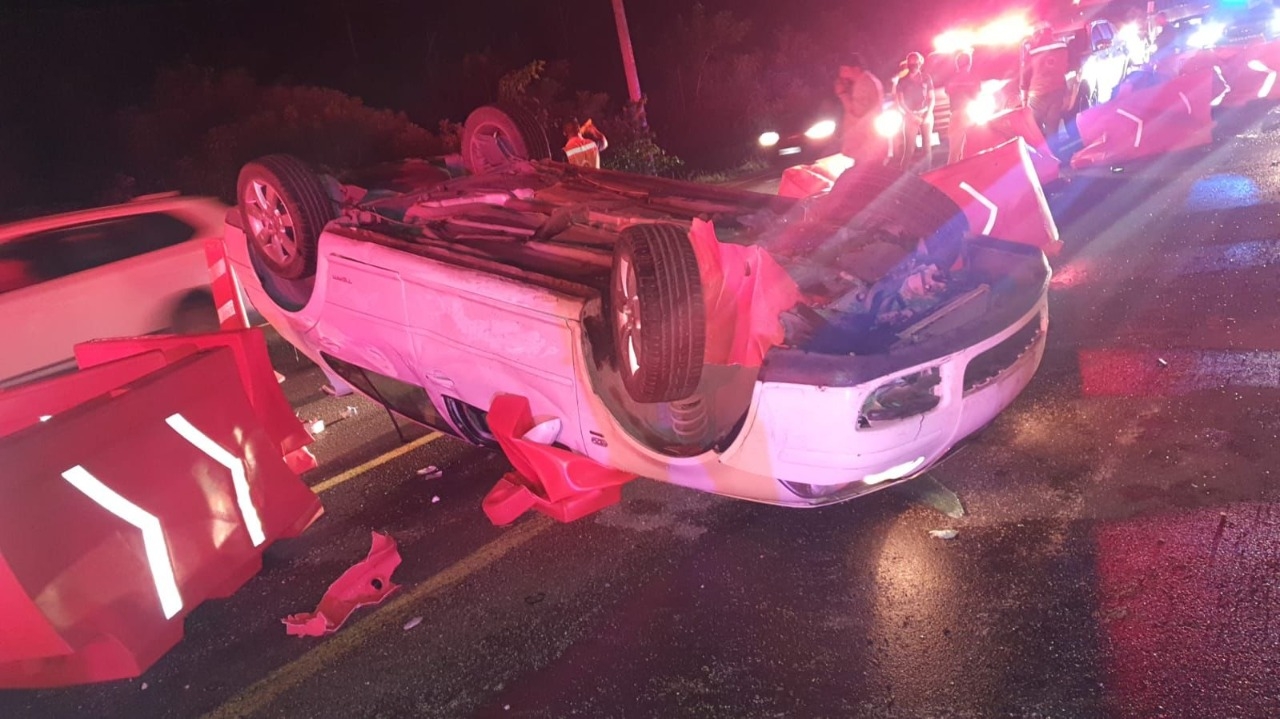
[{"x": 1117, "y": 558}]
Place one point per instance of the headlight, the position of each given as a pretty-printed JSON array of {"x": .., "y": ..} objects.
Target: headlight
[
  {"x": 982, "y": 109},
  {"x": 889, "y": 123},
  {"x": 821, "y": 130},
  {"x": 769, "y": 139},
  {"x": 1207, "y": 35},
  {"x": 909, "y": 396},
  {"x": 1275, "y": 23}
]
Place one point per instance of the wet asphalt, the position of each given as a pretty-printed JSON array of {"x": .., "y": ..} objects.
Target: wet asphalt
[{"x": 1117, "y": 556}]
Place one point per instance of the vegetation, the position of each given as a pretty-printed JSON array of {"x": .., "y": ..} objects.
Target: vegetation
[{"x": 714, "y": 81}]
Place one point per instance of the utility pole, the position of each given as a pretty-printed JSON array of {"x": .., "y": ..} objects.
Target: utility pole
[{"x": 629, "y": 62}]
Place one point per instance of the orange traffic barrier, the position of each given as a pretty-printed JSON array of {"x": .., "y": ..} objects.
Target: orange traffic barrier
[
  {"x": 134, "y": 490},
  {"x": 1010, "y": 124},
  {"x": 1000, "y": 195},
  {"x": 1174, "y": 115}
]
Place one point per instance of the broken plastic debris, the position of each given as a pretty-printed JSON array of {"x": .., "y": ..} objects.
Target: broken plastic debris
[
  {"x": 412, "y": 623},
  {"x": 366, "y": 582},
  {"x": 329, "y": 390},
  {"x": 316, "y": 427},
  {"x": 430, "y": 472},
  {"x": 435, "y": 499},
  {"x": 1163, "y": 362},
  {"x": 280, "y": 378},
  {"x": 349, "y": 412},
  {"x": 943, "y": 533},
  {"x": 144, "y": 686},
  {"x": 545, "y": 432}
]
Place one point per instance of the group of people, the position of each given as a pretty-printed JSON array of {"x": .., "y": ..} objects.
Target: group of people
[{"x": 1043, "y": 85}]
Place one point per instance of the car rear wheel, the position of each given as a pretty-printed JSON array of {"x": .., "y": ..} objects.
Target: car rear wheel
[
  {"x": 284, "y": 207},
  {"x": 900, "y": 203},
  {"x": 658, "y": 313},
  {"x": 494, "y": 137}
]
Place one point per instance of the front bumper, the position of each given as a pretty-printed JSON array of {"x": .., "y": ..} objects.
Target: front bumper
[{"x": 808, "y": 437}]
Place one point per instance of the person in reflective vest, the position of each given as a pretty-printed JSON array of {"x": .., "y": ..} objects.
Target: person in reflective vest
[
  {"x": 861, "y": 94},
  {"x": 583, "y": 144},
  {"x": 1045, "y": 64}
]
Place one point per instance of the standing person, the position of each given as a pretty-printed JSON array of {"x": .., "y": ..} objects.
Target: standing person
[
  {"x": 583, "y": 144},
  {"x": 1044, "y": 81},
  {"x": 914, "y": 95},
  {"x": 962, "y": 89},
  {"x": 861, "y": 94}
]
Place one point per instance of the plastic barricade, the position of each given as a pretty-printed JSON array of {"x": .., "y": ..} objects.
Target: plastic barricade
[
  {"x": 134, "y": 490},
  {"x": 548, "y": 479},
  {"x": 257, "y": 378},
  {"x": 1017, "y": 122},
  {"x": 1250, "y": 72},
  {"x": 998, "y": 191},
  {"x": 1174, "y": 115}
]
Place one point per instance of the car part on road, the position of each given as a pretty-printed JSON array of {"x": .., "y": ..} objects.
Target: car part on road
[
  {"x": 284, "y": 206},
  {"x": 365, "y": 583},
  {"x": 659, "y": 318},
  {"x": 495, "y": 136}
]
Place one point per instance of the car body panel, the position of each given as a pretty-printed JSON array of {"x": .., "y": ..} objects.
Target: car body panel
[{"x": 132, "y": 296}]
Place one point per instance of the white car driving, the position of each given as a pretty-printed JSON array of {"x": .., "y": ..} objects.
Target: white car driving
[{"x": 119, "y": 271}]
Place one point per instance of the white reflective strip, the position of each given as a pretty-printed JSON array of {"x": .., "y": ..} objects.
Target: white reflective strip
[
  {"x": 1267, "y": 84},
  {"x": 239, "y": 480},
  {"x": 1047, "y": 48},
  {"x": 1137, "y": 139},
  {"x": 226, "y": 311},
  {"x": 218, "y": 269},
  {"x": 991, "y": 206},
  {"x": 580, "y": 149},
  {"x": 153, "y": 541},
  {"x": 1185, "y": 101}
]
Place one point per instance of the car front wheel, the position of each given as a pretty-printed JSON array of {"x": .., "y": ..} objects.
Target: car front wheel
[{"x": 658, "y": 313}]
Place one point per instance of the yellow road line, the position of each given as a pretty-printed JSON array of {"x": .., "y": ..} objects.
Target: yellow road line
[
  {"x": 390, "y": 616},
  {"x": 350, "y": 474}
]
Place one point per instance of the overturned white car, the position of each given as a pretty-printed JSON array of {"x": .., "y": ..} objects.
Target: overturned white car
[{"x": 794, "y": 352}]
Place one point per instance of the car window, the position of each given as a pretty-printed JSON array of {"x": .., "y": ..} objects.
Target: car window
[
  {"x": 407, "y": 399},
  {"x": 51, "y": 254}
]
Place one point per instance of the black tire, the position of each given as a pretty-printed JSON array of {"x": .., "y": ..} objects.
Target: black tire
[
  {"x": 194, "y": 314},
  {"x": 655, "y": 279},
  {"x": 282, "y": 186},
  {"x": 494, "y": 137},
  {"x": 881, "y": 198}
]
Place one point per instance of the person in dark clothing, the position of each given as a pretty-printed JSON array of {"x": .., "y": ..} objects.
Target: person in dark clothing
[
  {"x": 962, "y": 89},
  {"x": 1045, "y": 63},
  {"x": 861, "y": 94},
  {"x": 914, "y": 95}
]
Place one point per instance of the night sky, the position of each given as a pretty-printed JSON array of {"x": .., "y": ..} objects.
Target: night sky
[
  {"x": 71, "y": 65},
  {"x": 390, "y": 52}
]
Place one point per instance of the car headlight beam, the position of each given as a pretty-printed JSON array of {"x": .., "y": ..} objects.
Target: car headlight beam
[
  {"x": 889, "y": 123},
  {"x": 1207, "y": 35},
  {"x": 769, "y": 139},
  {"x": 821, "y": 130}
]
